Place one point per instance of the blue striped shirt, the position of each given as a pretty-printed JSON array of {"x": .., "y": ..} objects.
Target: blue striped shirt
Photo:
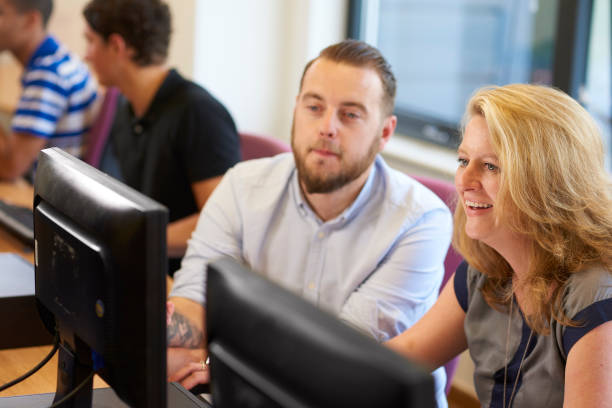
[{"x": 58, "y": 101}]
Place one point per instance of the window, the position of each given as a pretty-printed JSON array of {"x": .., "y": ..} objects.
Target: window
[
  {"x": 443, "y": 50},
  {"x": 598, "y": 91}
]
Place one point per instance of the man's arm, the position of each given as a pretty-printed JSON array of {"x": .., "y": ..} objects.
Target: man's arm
[
  {"x": 399, "y": 292},
  {"x": 186, "y": 336},
  {"x": 215, "y": 236},
  {"x": 17, "y": 153},
  {"x": 179, "y": 231},
  {"x": 438, "y": 336},
  {"x": 186, "y": 327}
]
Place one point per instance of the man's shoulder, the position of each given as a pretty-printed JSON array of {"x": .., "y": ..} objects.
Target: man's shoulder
[
  {"x": 188, "y": 95},
  {"x": 265, "y": 172},
  {"x": 187, "y": 89},
  {"x": 58, "y": 66},
  {"x": 52, "y": 55},
  {"x": 404, "y": 192}
]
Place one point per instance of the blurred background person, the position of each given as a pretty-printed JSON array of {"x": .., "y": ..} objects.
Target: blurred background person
[
  {"x": 171, "y": 139},
  {"x": 57, "y": 102}
]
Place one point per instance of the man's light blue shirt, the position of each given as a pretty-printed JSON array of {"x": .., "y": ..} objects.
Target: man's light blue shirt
[{"x": 378, "y": 265}]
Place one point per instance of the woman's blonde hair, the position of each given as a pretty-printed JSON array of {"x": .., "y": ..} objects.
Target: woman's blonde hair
[{"x": 553, "y": 189}]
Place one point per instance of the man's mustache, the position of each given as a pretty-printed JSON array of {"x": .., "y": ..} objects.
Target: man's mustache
[{"x": 324, "y": 145}]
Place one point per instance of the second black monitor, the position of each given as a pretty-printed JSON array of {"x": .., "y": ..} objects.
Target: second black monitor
[{"x": 270, "y": 348}]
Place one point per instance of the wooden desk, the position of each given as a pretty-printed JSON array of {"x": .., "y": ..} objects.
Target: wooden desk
[
  {"x": 16, "y": 362},
  {"x": 19, "y": 193}
]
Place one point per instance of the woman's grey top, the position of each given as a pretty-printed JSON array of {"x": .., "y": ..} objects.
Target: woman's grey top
[{"x": 540, "y": 382}]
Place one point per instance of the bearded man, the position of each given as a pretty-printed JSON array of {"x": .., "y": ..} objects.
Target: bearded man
[{"x": 330, "y": 222}]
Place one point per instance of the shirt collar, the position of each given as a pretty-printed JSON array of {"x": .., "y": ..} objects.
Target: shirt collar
[
  {"x": 47, "y": 47},
  {"x": 368, "y": 190},
  {"x": 169, "y": 85}
]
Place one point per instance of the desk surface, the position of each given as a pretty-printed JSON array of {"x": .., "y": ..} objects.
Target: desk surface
[
  {"x": 16, "y": 362},
  {"x": 19, "y": 193}
]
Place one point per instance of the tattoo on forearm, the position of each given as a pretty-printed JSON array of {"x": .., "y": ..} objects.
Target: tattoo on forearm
[{"x": 182, "y": 333}]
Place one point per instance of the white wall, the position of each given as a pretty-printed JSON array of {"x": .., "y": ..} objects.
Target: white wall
[
  {"x": 67, "y": 24},
  {"x": 250, "y": 54}
]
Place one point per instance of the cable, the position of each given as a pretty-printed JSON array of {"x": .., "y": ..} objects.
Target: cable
[
  {"x": 35, "y": 369},
  {"x": 73, "y": 392},
  {"x": 39, "y": 366}
]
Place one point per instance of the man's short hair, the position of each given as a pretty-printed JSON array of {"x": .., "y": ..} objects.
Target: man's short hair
[
  {"x": 362, "y": 55},
  {"x": 145, "y": 25},
  {"x": 45, "y": 7}
]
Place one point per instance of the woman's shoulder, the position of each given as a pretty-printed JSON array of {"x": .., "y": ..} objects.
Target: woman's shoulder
[
  {"x": 588, "y": 286},
  {"x": 467, "y": 282},
  {"x": 587, "y": 301},
  {"x": 475, "y": 278}
]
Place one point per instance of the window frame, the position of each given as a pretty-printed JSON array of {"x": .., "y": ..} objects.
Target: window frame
[{"x": 568, "y": 71}]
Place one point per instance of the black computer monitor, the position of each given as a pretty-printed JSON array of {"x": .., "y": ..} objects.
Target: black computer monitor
[
  {"x": 100, "y": 261},
  {"x": 270, "y": 348}
]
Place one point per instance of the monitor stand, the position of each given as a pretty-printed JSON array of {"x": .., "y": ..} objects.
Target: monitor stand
[
  {"x": 178, "y": 397},
  {"x": 70, "y": 373}
]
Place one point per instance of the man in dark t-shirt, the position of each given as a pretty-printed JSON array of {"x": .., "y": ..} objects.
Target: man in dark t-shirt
[{"x": 171, "y": 139}]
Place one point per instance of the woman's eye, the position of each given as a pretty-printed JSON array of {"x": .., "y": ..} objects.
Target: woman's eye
[
  {"x": 491, "y": 167},
  {"x": 462, "y": 162}
]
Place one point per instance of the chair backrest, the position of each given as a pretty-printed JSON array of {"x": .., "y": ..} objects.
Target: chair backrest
[
  {"x": 101, "y": 128},
  {"x": 446, "y": 191},
  {"x": 255, "y": 146}
]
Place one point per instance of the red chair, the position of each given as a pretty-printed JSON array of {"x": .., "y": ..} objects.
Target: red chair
[
  {"x": 255, "y": 146},
  {"x": 100, "y": 130},
  {"x": 446, "y": 191}
]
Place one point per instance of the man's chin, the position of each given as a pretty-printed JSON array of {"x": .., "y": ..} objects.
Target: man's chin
[{"x": 322, "y": 185}]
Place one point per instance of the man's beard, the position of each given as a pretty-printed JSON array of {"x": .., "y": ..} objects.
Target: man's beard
[{"x": 327, "y": 183}]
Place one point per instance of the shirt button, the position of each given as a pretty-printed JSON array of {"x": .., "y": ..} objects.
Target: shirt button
[
  {"x": 137, "y": 129},
  {"x": 321, "y": 235},
  {"x": 311, "y": 285}
]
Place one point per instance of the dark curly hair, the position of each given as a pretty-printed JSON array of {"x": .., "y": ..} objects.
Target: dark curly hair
[{"x": 144, "y": 25}]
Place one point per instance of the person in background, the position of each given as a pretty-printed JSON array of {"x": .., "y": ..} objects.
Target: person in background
[
  {"x": 171, "y": 139},
  {"x": 58, "y": 100},
  {"x": 330, "y": 221},
  {"x": 533, "y": 301}
]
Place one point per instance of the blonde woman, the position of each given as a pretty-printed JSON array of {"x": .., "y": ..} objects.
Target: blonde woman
[{"x": 533, "y": 301}]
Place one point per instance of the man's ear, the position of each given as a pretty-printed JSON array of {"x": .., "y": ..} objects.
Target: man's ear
[
  {"x": 118, "y": 45},
  {"x": 389, "y": 124},
  {"x": 33, "y": 19}
]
